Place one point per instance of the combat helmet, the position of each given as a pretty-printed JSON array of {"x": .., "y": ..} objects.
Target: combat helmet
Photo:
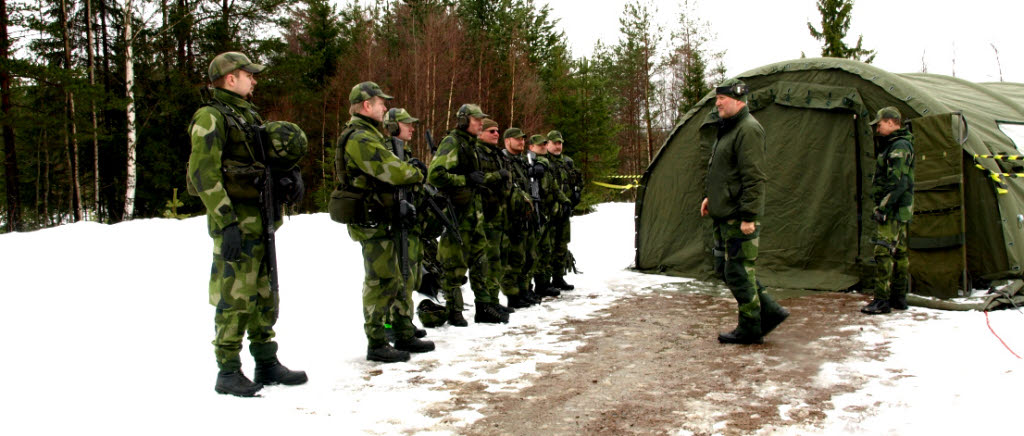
[
  {"x": 431, "y": 314},
  {"x": 285, "y": 144}
]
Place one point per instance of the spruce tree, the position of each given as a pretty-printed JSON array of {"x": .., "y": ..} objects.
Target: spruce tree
[{"x": 835, "y": 22}]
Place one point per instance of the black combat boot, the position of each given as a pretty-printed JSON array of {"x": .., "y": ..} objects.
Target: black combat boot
[
  {"x": 771, "y": 320},
  {"x": 898, "y": 301},
  {"x": 455, "y": 318},
  {"x": 518, "y": 301},
  {"x": 544, "y": 288},
  {"x": 487, "y": 314},
  {"x": 414, "y": 345},
  {"x": 386, "y": 353},
  {"x": 559, "y": 282},
  {"x": 738, "y": 337},
  {"x": 237, "y": 384},
  {"x": 503, "y": 309},
  {"x": 272, "y": 372},
  {"x": 878, "y": 306},
  {"x": 531, "y": 296},
  {"x": 420, "y": 333}
]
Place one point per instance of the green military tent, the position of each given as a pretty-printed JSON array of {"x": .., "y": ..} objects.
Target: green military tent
[{"x": 968, "y": 221}]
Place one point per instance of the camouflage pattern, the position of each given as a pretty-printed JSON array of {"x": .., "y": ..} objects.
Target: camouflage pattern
[
  {"x": 365, "y": 91},
  {"x": 372, "y": 166},
  {"x": 401, "y": 115},
  {"x": 753, "y": 302},
  {"x": 239, "y": 290},
  {"x": 552, "y": 207},
  {"x": 555, "y": 136},
  {"x": 893, "y": 191},
  {"x": 227, "y": 62},
  {"x": 494, "y": 199},
  {"x": 513, "y": 132},
  {"x": 892, "y": 186},
  {"x": 286, "y": 144},
  {"x": 892, "y": 262},
  {"x": 455, "y": 159},
  {"x": 561, "y": 258},
  {"x": 520, "y": 225},
  {"x": 471, "y": 110},
  {"x": 889, "y": 112}
]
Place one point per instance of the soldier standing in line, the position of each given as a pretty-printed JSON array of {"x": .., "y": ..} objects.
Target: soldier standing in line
[
  {"x": 569, "y": 181},
  {"x": 368, "y": 170},
  {"x": 893, "y": 190},
  {"x": 520, "y": 223},
  {"x": 456, "y": 171},
  {"x": 226, "y": 141},
  {"x": 735, "y": 187},
  {"x": 401, "y": 126},
  {"x": 494, "y": 202},
  {"x": 551, "y": 207}
]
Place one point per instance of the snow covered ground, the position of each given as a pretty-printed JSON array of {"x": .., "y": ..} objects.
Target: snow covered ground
[{"x": 108, "y": 330}]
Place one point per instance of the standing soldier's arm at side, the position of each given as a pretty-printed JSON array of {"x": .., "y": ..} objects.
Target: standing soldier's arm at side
[
  {"x": 368, "y": 154},
  {"x": 446, "y": 160},
  {"x": 204, "y": 165}
]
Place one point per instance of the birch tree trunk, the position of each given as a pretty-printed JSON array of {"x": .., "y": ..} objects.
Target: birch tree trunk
[{"x": 129, "y": 82}]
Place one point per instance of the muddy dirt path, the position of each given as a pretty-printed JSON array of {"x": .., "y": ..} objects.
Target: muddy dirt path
[{"x": 651, "y": 364}]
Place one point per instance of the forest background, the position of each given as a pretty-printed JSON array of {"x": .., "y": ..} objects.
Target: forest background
[{"x": 97, "y": 94}]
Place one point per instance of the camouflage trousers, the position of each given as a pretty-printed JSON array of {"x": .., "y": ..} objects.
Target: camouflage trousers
[
  {"x": 739, "y": 274},
  {"x": 471, "y": 256},
  {"x": 241, "y": 293},
  {"x": 517, "y": 262},
  {"x": 892, "y": 265},
  {"x": 497, "y": 237},
  {"x": 540, "y": 248},
  {"x": 386, "y": 294},
  {"x": 560, "y": 257}
]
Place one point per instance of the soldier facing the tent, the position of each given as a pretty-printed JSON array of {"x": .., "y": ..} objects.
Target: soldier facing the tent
[
  {"x": 227, "y": 169},
  {"x": 735, "y": 187}
]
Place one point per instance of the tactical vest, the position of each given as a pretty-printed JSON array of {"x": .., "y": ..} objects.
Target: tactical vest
[
  {"x": 468, "y": 163},
  {"x": 242, "y": 164},
  {"x": 489, "y": 160},
  {"x": 358, "y": 199}
]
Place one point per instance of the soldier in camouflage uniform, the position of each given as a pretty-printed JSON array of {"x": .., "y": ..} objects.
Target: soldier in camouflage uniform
[
  {"x": 552, "y": 206},
  {"x": 735, "y": 187},
  {"x": 401, "y": 126},
  {"x": 456, "y": 171},
  {"x": 520, "y": 223},
  {"x": 367, "y": 166},
  {"x": 494, "y": 200},
  {"x": 569, "y": 181},
  {"x": 224, "y": 135},
  {"x": 893, "y": 191}
]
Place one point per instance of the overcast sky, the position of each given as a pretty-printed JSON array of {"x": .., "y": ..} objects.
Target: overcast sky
[{"x": 759, "y": 32}]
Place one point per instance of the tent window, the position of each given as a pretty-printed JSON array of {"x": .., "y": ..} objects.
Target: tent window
[{"x": 1015, "y": 131}]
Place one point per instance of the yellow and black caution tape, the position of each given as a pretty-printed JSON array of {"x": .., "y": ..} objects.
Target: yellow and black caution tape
[
  {"x": 624, "y": 188},
  {"x": 1001, "y": 187},
  {"x": 624, "y": 177},
  {"x": 999, "y": 156}
]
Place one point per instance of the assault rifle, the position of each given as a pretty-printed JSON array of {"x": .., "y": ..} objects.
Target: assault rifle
[
  {"x": 269, "y": 209},
  {"x": 445, "y": 212},
  {"x": 405, "y": 214},
  {"x": 430, "y": 143},
  {"x": 534, "y": 187}
]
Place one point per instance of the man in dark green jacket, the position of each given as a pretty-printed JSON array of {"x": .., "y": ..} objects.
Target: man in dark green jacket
[
  {"x": 893, "y": 190},
  {"x": 735, "y": 188}
]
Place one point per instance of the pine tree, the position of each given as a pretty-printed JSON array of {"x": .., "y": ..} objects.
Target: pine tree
[{"x": 835, "y": 22}]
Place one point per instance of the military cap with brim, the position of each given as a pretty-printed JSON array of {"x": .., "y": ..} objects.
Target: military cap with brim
[
  {"x": 473, "y": 111},
  {"x": 886, "y": 112},
  {"x": 555, "y": 136},
  {"x": 538, "y": 139},
  {"x": 226, "y": 62},
  {"x": 488, "y": 123},
  {"x": 402, "y": 116},
  {"x": 513, "y": 132},
  {"x": 365, "y": 91}
]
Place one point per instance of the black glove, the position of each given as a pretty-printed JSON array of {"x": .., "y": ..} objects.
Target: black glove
[
  {"x": 878, "y": 216},
  {"x": 290, "y": 188},
  {"x": 504, "y": 174},
  {"x": 420, "y": 166},
  {"x": 475, "y": 178},
  {"x": 407, "y": 213},
  {"x": 536, "y": 171},
  {"x": 231, "y": 243}
]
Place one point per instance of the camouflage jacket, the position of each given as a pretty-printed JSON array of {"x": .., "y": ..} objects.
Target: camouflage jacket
[
  {"x": 519, "y": 206},
  {"x": 455, "y": 159},
  {"x": 735, "y": 183},
  {"x": 551, "y": 196},
  {"x": 216, "y": 144},
  {"x": 496, "y": 192},
  {"x": 568, "y": 178},
  {"x": 892, "y": 186},
  {"x": 370, "y": 165}
]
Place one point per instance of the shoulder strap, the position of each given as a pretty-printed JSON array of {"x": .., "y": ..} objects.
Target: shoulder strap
[{"x": 234, "y": 120}]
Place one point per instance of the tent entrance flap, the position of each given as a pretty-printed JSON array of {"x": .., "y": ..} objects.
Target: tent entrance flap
[{"x": 938, "y": 252}]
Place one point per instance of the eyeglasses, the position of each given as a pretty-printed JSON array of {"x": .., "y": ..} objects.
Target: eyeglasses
[{"x": 492, "y": 131}]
